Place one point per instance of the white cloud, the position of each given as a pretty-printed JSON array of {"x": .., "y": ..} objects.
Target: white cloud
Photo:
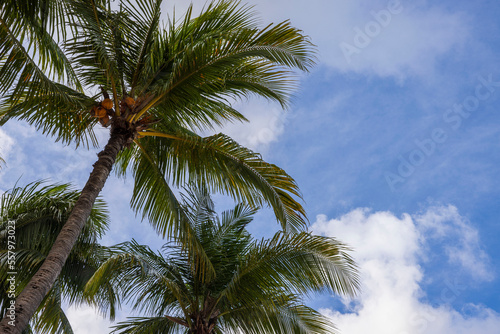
[
  {"x": 391, "y": 40},
  {"x": 389, "y": 251},
  {"x": 266, "y": 124},
  {"x": 445, "y": 222},
  {"x": 6, "y": 144},
  {"x": 85, "y": 320}
]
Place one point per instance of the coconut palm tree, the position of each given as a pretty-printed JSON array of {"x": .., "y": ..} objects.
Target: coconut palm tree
[
  {"x": 30, "y": 220},
  {"x": 155, "y": 86},
  {"x": 248, "y": 285}
]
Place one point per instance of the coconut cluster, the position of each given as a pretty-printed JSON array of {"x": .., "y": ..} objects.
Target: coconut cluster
[
  {"x": 128, "y": 108},
  {"x": 103, "y": 111}
]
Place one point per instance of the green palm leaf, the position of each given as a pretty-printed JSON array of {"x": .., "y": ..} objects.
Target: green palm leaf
[
  {"x": 149, "y": 325},
  {"x": 220, "y": 164},
  {"x": 29, "y": 49},
  {"x": 55, "y": 109}
]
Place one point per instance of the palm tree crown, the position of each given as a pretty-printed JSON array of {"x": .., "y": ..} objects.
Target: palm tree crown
[
  {"x": 37, "y": 213},
  {"x": 249, "y": 286}
]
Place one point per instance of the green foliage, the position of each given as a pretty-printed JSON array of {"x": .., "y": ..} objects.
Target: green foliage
[
  {"x": 30, "y": 33},
  {"x": 216, "y": 162},
  {"x": 182, "y": 77},
  {"x": 248, "y": 285},
  {"x": 38, "y": 212},
  {"x": 31, "y": 58}
]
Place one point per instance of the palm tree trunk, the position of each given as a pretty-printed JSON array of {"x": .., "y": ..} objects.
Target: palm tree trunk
[{"x": 40, "y": 284}]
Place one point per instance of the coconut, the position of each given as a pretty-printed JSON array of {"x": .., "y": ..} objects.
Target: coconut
[
  {"x": 104, "y": 120},
  {"x": 107, "y": 104},
  {"x": 130, "y": 102},
  {"x": 100, "y": 112}
]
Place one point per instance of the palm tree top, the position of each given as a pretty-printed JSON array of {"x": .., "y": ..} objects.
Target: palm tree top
[
  {"x": 37, "y": 213},
  {"x": 250, "y": 286}
]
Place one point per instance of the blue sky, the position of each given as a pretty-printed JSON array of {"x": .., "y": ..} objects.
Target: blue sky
[{"x": 395, "y": 144}]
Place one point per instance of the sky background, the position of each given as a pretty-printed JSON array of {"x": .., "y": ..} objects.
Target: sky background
[{"x": 394, "y": 140}]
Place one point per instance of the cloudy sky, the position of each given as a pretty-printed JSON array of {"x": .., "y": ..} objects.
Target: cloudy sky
[{"x": 394, "y": 139}]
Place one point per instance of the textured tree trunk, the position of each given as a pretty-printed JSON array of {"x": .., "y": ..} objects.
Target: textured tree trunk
[
  {"x": 41, "y": 283},
  {"x": 202, "y": 326}
]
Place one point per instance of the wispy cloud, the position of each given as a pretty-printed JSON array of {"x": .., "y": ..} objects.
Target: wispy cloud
[
  {"x": 390, "y": 38},
  {"x": 462, "y": 240},
  {"x": 266, "y": 124}
]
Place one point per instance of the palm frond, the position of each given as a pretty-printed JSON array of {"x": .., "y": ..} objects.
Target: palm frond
[
  {"x": 55, "y": 109},
  {"x": 283, "y": 317},
  {"x": 28, "y": 44},
  {"x": 298, "y": 263},
  {"x": 52, "y": 320},
  {"x": 140, "y": 274},
  {"x": 142, "y": 36},
  {"x": 218, "y": 163},
  {"x": 153, "y": 196},
  {"x": 96, "y": 47},
  {"x": 222, "y": 53},
  {"x": 156, "y": 325},
  {"x": 39, "y": 210}
]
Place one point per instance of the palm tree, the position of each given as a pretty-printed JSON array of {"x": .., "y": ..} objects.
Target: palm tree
[
  {"x": 154, "y": 87},
  {"x": 34, "y": 215},
  {"x": 248, "y": 286}
]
